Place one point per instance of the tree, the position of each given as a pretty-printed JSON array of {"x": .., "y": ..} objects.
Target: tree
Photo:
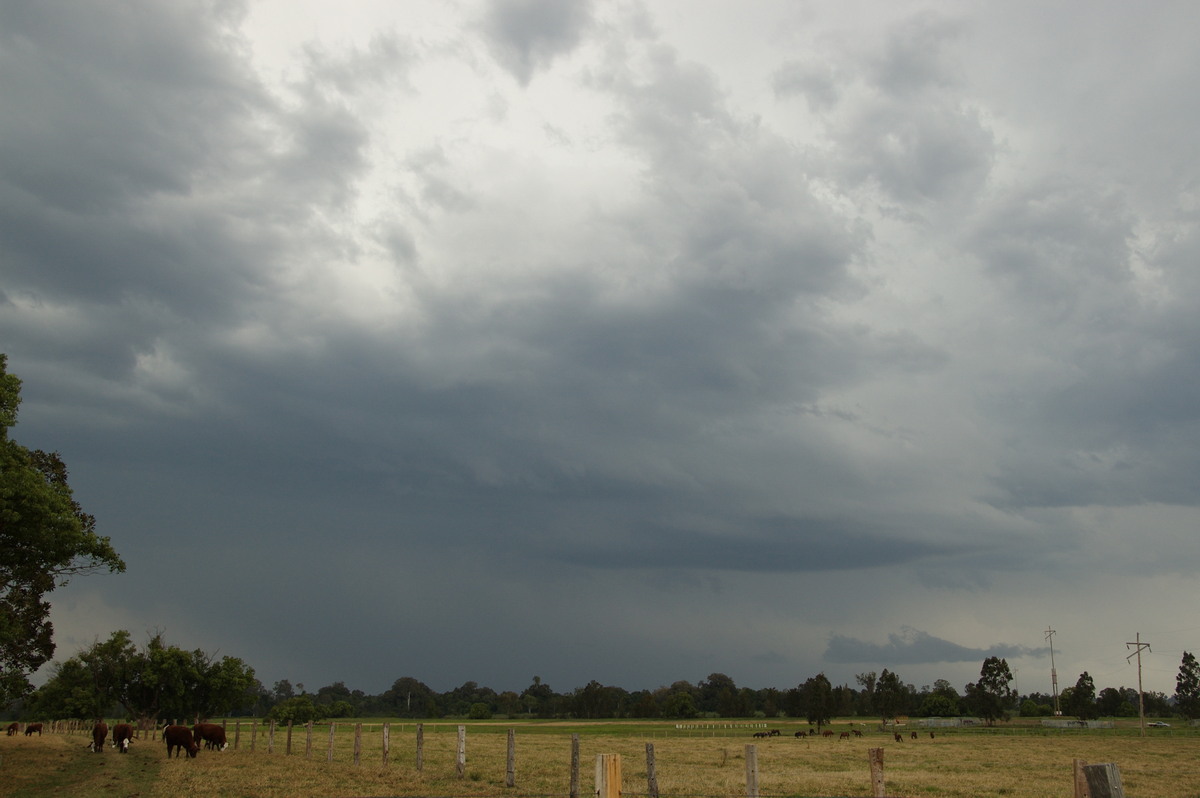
[
  {"x": 1187, "y": 687},
  {"x": 154, "y": 682},
  {"x": 45, "y": 539},
  {"x": 816, "y": 694},
  {"x": 1083, "y": 698},
  {"x": 867, "y": 695},
  {"x": 991, "y": 698},
  {"x": 890, "y": 695}
]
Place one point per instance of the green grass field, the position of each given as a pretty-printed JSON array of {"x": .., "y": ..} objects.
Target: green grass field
[{"x": 1017, "y": 760}]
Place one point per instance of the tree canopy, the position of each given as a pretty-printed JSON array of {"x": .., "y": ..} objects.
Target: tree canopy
[
  {"x": 45, "y": 538},
  {"x": 155, "y": 681},
  {"x": 991, "y": 698},
  {"x": 1187, "y": 687}
]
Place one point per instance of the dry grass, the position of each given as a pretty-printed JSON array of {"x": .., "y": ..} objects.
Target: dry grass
[{"x": 1030, "y": 764}]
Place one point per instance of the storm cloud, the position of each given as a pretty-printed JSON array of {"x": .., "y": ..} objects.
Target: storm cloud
[{"x": 630, "y": 342}]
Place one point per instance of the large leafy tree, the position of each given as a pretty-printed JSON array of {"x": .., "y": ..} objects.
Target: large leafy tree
[
  {"x": 1187, "y": 687},
  {"x": 816, "y": 694},
  {"x": 991, "y": 698},
  {"x": 1082, "y": 702},
  {"x": 45, "y": 539},
  {"x": 155, "y": 681},
  {"x": 890, "y": 695}
]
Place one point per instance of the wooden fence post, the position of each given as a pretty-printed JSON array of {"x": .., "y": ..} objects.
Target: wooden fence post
[
  {"x": 253, "y": 733},
  {"x": 308, "y": 730},
  {"x": 1081, "y": 787},
  {"x": 289, "y": 738},
  {"x": 462, "y": 751},
  {"x": 510, "y": 773},
  {"x": 271, "y": 739},
  {"x": 357, "y": 742},
  {"x": 387, "y": 728},
  {"x": 574, "y": 766},
  {"x": 1104, "y": 780},
  {"x": 329, "y": 750},
  {"x": 751, "y": 772},
  {"x": 876, "y": 758},
  {"x": 237, "y": 734},
  {"x": 651, "y": 772},
  {"x": 608, "y": 776},
  {"x": 420, "y": 745}
]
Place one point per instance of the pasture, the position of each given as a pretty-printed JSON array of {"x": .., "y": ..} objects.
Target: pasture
[{"x": 1024, "y": 761}]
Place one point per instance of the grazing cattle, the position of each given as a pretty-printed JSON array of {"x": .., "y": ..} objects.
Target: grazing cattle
[
  {"x": 899, "y": 739},
  {"x": 844, "y": 736},
  {"x": 179, "y": 738},
  {"x": 914, "y": 735},
  {"x": 856, "y": 732},
  {"x": 13, "y": 728},
  {"x": 122, "y": 736},
  {"x": 801, "y": 734},
  {"x": 212, "y": 735},
  {"x": 33, "y": 727},
  {"x": 760, "y": 734},
  {"x": 931, "y": 735},
  {"x": 827, "y": 733},
  {"x": 773, "y": 733},
  {"x": 99, "y": 734}
]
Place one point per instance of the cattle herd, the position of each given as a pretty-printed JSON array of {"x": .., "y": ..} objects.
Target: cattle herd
[
  {"x": 178, "y": 738},
  {"x": 829, "y": 733}
]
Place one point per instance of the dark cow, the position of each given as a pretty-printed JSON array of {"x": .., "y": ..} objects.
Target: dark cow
[
  {"x": 827, "y": 733},
  {"x": 800, "y": 734},
  {"x": 122, "y": 736},
  {"x": 913, "y": 735},
  {"x": 13, "y": 728},
  {"x": 931, "y": 735},
  {"x": 856, "y": 732},
  {"x": 844, "y": 735},
  {"x": 212, "y": 735},
  {"x": 899, "y": 739},
  {"x": 179, "y": 738},
  {"x": 33, "y": 727},
  {"x": 99, "y": 735}
]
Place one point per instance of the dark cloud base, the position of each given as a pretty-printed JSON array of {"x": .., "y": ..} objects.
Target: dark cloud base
[{"x": 914, "y": 647}]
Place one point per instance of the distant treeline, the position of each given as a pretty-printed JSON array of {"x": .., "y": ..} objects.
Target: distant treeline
[
  {"x": 116, "y": 678},
  {"x": 715, "y": 696}
]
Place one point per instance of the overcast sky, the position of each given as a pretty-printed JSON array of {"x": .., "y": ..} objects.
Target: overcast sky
[{"x": 630, "y": 341}]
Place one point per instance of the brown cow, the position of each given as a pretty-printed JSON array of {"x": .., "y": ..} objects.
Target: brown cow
[
  {"x": 99, "y": 734},
  {"x": 13, "y": 728},
  {"x": 33, "y": 727},
  {"x": 844, "y": 735},
  {"x": 122, "y": 736},
  {"x": 899, "y": 739},
  {"x": 913, "y": 735},
  {"x": 179, "y": 738},
  {"x": 212, "y": 735}
]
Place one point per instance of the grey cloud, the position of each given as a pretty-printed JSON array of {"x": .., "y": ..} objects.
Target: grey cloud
[
  {"x": 913, "y": 57},
  {"x": 914, "y": 647},
  {"x": 527, "y": 35},
  {"x": 815, "y": 81}
]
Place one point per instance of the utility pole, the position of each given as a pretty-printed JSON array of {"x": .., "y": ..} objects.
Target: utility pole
[
  {"x": 1141, "y": 699},
  {"x": 1053, "y": 673}
]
